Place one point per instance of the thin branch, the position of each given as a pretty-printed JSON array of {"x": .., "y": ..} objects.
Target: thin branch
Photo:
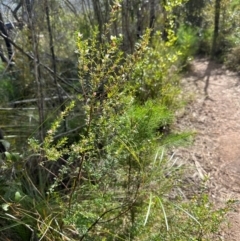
[
  {"x": 51, "y": 46},
  {"x": 98, "y": 219},
  {"x": 40, "y": 63},
  {"x": 68, "y": 132},
  {"x": 37, "y": 71},
  {"x": 14, "y": 12},
  {"x": 71, "y": 7},
  {"x": 128, "y": 205},
  {"x": 18, "y": 102}
]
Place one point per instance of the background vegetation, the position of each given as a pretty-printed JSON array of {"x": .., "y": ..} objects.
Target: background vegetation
[{"x": 88, "y": 93}]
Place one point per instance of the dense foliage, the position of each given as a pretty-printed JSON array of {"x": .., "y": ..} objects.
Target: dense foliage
[{"x": 100, "y": 85}]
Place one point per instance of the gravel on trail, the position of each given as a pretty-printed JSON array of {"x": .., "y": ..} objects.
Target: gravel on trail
[{"x": 214, "y": 114}]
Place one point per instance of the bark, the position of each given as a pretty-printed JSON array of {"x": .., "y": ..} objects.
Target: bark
[
  {"x": 128, "y": 45},
  {"x": 216, "y": 27},
  {"x": 36, "y": 66},
  {"x": 152, "y": 16},
  {"x": 7, "y": 42},
  {"x": 53, "y": 58},
  {"x": 165, "y": 21},
  {"x": 98, "y": 15},
  {"x": 139, "y": 22}
]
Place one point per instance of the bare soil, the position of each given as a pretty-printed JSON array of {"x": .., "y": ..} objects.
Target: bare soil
[{"x": 214, "y": 113}]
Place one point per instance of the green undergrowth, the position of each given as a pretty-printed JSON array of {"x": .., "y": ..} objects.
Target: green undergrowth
[{"x": 117, "y": 181}]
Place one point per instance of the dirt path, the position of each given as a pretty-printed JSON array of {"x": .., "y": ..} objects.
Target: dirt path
[{"x": 215, "y": 115}]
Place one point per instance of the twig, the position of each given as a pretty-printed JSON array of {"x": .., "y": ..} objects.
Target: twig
[{"x": 40, "y": 63}]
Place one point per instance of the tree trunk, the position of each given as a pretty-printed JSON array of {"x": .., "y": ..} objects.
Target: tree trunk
[
  {"x": 128, "y": 44},
  {"x": 53, "y": 59},
  {"x": 216, "y": 27},
  {"x": 152, "y": 16},
  {"x": 7, "y": 42},
  {"x": 36, "y": 67},
  {"x": 98, "y": 15}
]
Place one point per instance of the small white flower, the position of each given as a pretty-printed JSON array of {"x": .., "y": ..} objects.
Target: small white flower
[{"x": 50, "y": 132}]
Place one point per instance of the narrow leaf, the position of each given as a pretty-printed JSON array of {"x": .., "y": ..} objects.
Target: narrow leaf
[
  {"x": 149, "y": 208},
  {"x": 130, "y": 151},
  {"x": 164, "y": 213},
  {"x": 189, "y": 214}
]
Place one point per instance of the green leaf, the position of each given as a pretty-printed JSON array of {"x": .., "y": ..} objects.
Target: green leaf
[
  {"x": 149, "y": 208},
  {"x": 8, "y": 155},
  {"x": 17, "y": 196},
  {"x": 12, "y": 156},
  {"x": 164, "y": 213}
]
